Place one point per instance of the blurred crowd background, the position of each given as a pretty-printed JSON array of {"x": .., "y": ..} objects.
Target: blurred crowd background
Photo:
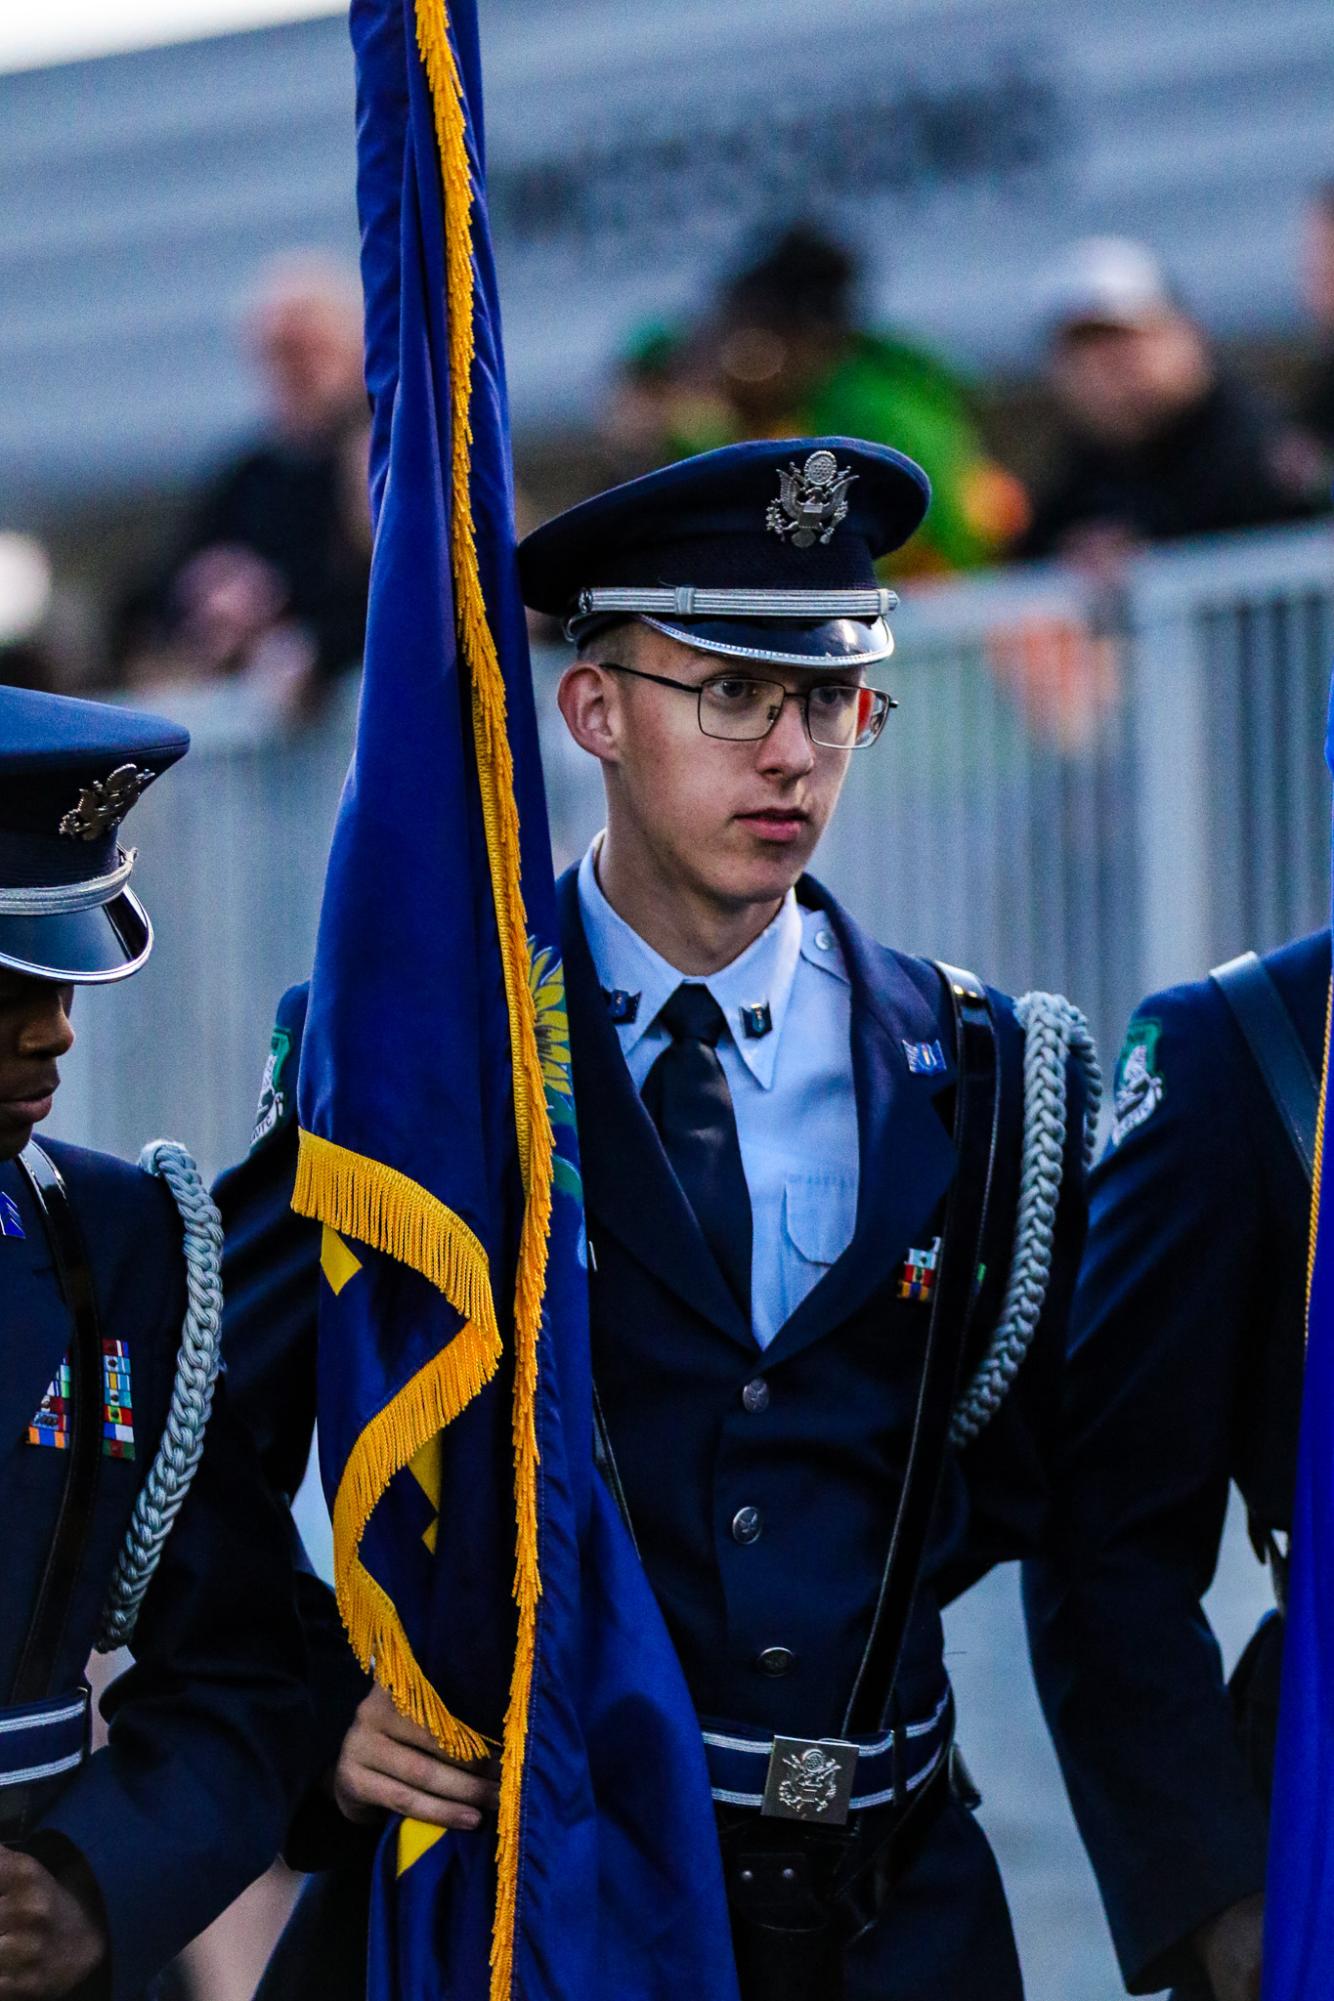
[{"x": 1077, "y": 259}]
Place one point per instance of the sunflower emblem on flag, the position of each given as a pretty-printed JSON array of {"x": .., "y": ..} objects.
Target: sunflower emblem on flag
[{"x": 546, "y": 980}]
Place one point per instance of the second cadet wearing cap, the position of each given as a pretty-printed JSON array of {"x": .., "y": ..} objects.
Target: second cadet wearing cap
[
  {"x": 111, "y": 1862},
  {"x": 766, "y": 1100},
  {"x": 71, "y": 772}
]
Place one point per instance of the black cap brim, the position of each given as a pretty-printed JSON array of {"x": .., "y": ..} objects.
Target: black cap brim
[{"x": 80, "y": 947}]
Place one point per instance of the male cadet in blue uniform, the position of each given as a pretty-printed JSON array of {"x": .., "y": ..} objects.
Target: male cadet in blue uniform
[
  {"x": 768, "y": 1106},
  {"x": 1185, "y": 1374},
  {"x": 109, "y": 1864}
]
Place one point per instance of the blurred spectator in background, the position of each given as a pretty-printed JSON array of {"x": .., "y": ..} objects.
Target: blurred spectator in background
[
  {"x": 270, "y": 577},
  {"x": 1317, "y": 411},
  {"x": 1160, "y": 442},
  {"x": 782, "y": 353},
  {"x": 29, "y": 655}
]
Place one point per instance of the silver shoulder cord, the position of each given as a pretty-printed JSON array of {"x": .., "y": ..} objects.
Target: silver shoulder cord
[
  {"x": 1054, "y": 1031},
  {"x": 159, "y": 1499}
]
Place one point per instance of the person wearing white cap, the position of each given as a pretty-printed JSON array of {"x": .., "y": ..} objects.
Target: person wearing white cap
[{"x": 1160, "y": 442}]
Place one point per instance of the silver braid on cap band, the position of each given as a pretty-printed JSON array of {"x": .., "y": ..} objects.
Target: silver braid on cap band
[
  {"x": 698, "y": 601},
  {"x": 62, "y": 899},
  {"x": 159, "y": 1499},
  {"x": 1054, "y": 1031}
]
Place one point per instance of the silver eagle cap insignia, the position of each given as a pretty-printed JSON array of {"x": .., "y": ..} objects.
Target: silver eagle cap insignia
[
  {"x": 812, "y": 500},
  {"x": 104, "y": 804}
]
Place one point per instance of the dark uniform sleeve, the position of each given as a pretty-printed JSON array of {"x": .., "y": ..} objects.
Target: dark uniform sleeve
[
  {"x": 271, "y": 1280},
  {"x": 1128, "y": 1670},
  {"x": 210, "y": 1729}
]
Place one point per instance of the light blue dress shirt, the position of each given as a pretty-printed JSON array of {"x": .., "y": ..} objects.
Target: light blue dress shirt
[{"x": 792, "y": 1089}]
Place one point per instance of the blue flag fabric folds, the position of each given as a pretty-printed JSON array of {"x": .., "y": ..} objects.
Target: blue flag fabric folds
[
  {"x": 1299, "y": 1908},
  {"x": 479, "y": 1564}
]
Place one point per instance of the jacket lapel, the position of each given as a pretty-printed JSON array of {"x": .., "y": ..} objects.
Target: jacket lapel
[
  {"x": 34, "y": 1325},
  {"x": 906, "y": 1154},
  {"x": 629, "y": 1187}
]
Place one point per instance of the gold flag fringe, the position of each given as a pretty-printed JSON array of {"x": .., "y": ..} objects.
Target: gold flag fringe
[
  {"x": 377, "y": 1205},
  {"x": 495, "y": 767}
]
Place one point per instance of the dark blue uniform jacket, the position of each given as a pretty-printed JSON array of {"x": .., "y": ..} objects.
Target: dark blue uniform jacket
[
  {"x": 823, "y": 1459},
  {"x": 1185, "y": 1375},
  {"x": 209, "y": 1730}
]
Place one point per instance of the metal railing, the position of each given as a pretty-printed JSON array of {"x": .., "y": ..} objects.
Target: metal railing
[{"x": 1099, "y": 791}]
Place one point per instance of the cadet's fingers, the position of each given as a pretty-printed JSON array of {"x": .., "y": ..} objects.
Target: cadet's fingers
[
  {"x": 428, "y": 1772},
  {"x": 377, "y": 1789},
  {"x": 377, "y": 1714}
]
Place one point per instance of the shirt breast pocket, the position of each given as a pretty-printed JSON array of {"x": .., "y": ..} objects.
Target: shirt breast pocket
[{"x": 819, "y": 1211}]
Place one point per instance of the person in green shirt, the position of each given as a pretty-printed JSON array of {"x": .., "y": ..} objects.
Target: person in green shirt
[{"x": 781, "y": 354}]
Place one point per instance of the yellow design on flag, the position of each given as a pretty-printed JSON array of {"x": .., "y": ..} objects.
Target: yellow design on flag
[
  {"x": 425, "y": 1470},
  {"x": 415, "y": 1839},
  {"x": 337, "y": 1262}
]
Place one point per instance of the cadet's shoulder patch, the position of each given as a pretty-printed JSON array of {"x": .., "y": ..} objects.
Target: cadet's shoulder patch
[
  {"x": 1139, "y": 1083},
  {"x": 275, "y": 1099}
]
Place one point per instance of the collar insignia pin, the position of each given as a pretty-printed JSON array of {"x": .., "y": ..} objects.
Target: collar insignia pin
[
  {"x": 812, "y": 500},
  {"x": 757, "y": 1020},
  {"x": 621, "y": 1006},
  {"x": 925, "y": 1059},
  {"x": 11, "y": 1223},
  {"x": 104, "y": 804}
]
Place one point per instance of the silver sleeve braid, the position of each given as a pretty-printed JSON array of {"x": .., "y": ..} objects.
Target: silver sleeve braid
[
  {"x": 1054, "y": 1031},
  {"x": 159, "y": 1499}
]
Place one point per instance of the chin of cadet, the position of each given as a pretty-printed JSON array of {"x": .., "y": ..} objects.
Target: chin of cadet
[{"x": 104, "y": 1865}]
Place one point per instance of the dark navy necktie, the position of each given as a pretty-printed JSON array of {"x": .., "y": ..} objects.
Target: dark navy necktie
[{"x": 686, "y": 1096}]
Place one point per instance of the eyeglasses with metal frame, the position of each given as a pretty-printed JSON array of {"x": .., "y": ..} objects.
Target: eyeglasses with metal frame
[{"x": 743, "y": 708}]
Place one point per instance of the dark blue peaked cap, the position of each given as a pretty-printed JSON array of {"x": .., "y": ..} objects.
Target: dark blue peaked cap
[
  {"x": 760, "y": 551},
  {"x": 69, "y": 773}
]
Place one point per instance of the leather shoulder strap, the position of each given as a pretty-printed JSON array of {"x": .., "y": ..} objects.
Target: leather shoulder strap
[
  {"x": 1271, "y": 1036},
  {"x": 50, "y": 1612},
  {"x": 976, "y": 1130}
]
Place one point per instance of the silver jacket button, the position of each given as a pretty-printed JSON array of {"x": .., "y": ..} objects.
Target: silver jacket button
[
  {"x": 755, "y": 1396},
  {"x": 746, "y": 1525},
  {"x": 775, "y": 1660}
]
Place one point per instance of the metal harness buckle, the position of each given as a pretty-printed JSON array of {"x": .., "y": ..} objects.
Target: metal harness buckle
[{"x": 810, "y": 1779}]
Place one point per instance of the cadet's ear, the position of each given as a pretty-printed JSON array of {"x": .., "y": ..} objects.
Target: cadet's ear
[{"x": 587, "y": 699}]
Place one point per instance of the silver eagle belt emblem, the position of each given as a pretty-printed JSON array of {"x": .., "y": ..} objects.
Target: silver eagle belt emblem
[
  {"x": 812, "y": 500},
  {"x": 810, "y": 1780}
]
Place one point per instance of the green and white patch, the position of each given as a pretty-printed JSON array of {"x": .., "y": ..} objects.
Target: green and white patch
[
  {"x": 273, "y": 1107},
  {"x": 1139, "y": 1082}
]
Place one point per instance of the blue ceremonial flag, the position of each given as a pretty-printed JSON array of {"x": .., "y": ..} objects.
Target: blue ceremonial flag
[
  {"x": 1299, "y": 1907},
  {"x": 479, "y": 1564}
]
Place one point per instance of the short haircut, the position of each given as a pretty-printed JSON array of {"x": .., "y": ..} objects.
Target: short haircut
[{"x": 618, "y": 635}]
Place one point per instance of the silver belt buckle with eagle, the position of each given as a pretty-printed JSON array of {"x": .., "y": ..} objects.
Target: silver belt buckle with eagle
[{"x": 810, "y": 1779}]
